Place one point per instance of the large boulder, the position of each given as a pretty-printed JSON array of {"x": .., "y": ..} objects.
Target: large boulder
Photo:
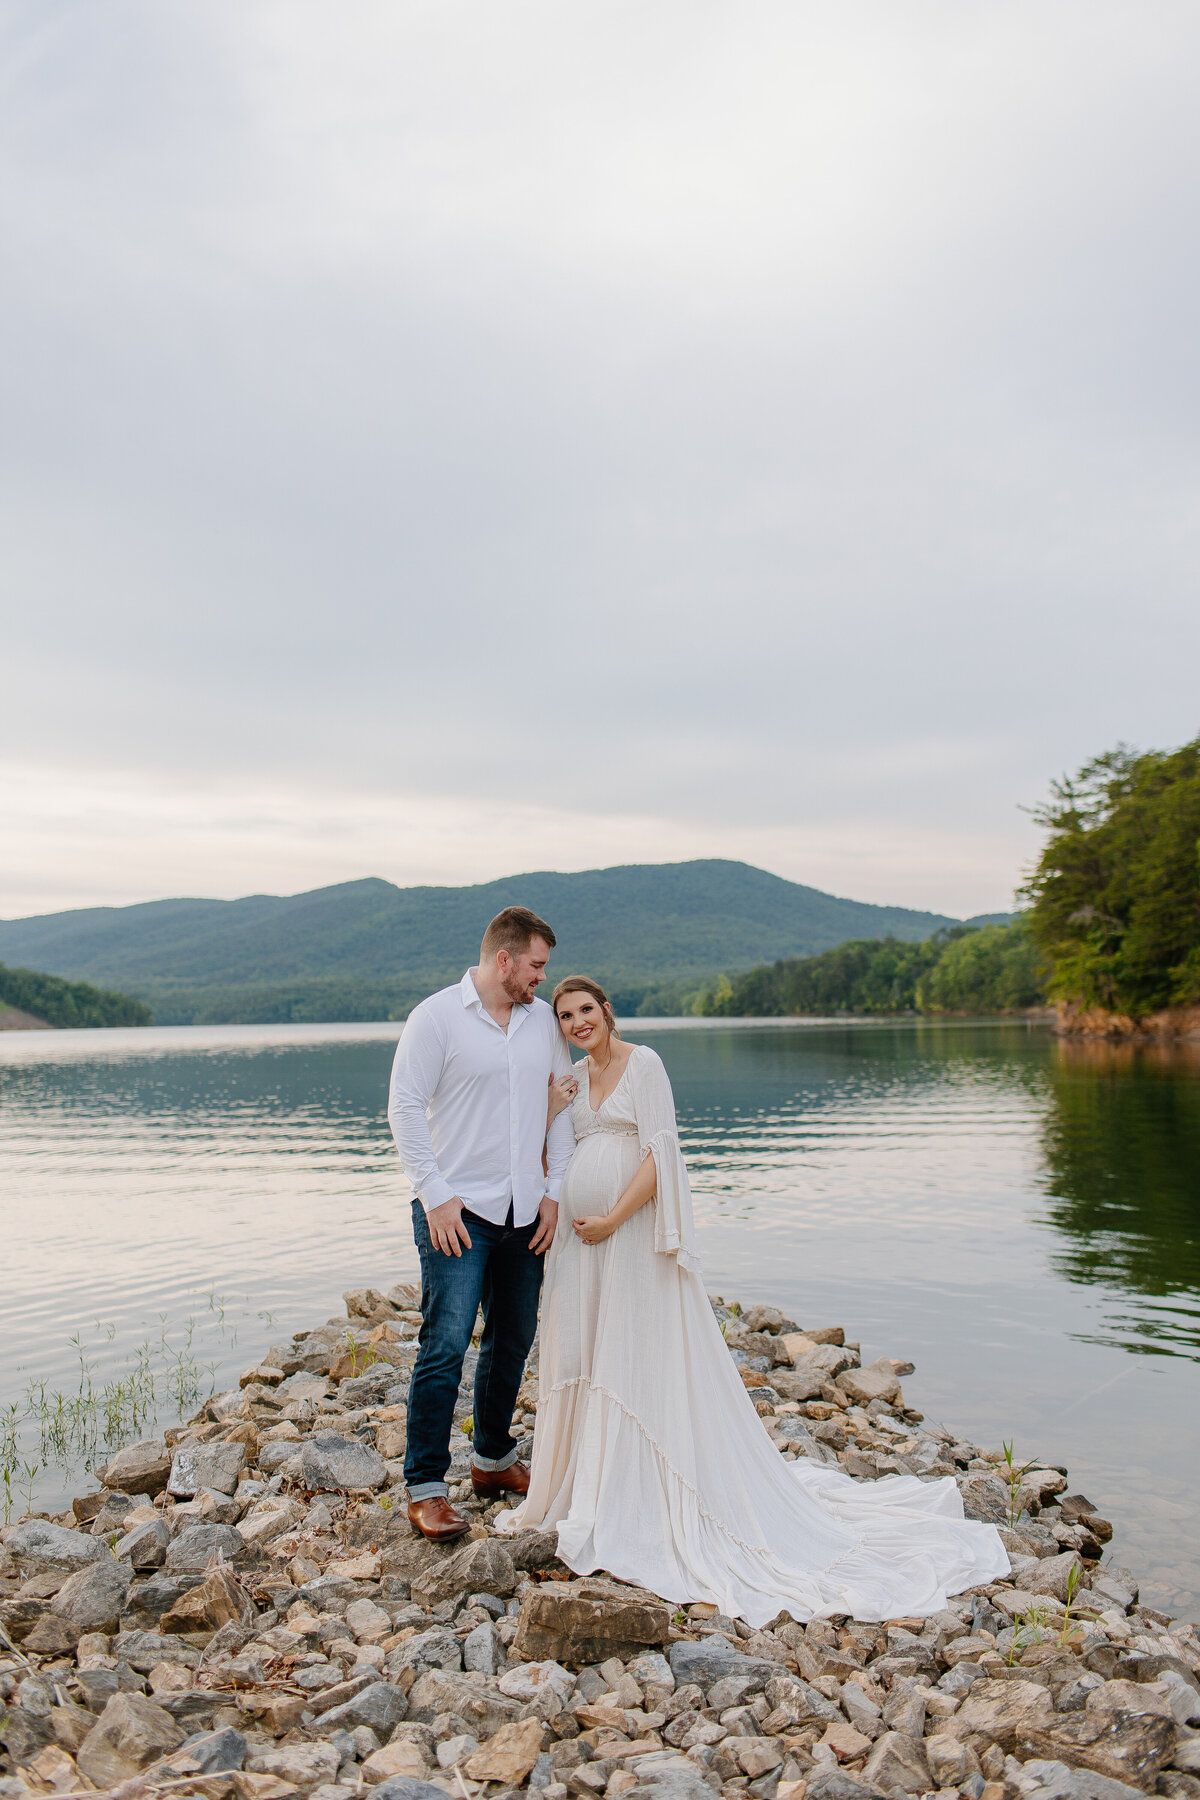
[
  {"x": 587, "y": 1621},
  {"x": 217, "y": 1466},
  {"x": 328, "y": 1462},
  {"x": 38, "y": 1547},
  {"x": 143, "y": 1468},
  {"x": 483, "y": 1567},
  {"x": 130, "y": 1734},
  {"x": 93, "y": 1599}
]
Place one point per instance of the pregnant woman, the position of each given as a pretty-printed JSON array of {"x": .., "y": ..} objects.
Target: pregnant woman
[{"x": 649, "y": 1459}]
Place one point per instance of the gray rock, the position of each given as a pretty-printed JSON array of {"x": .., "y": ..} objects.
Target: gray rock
[
  {"x": 482, "y": 1650},
  {"x": 984, "y": 1497},
  {"x": 674, "y": 1781},
  {"x": 1051, "y": 1574},
  {"x": 131, "y": 1733},
  {"x": 277, "y": 1455},
  {"x": 142, "y": 1650},
  {"x": 481, "y": 1710},
  {"x": 1055, "y": 1781},
  {"x": 145, "y": 1546},
  {"x": 367, "y": 1390},
  {"x": 1111, "y": 1588},
  {"x": 328, "y": 1462},
  {"x": 799, "y": 1384},
  {"x": 379, "y": 1706},
  {"x": 139, "y": 1469},
  {"x": 191, "y": 1551},
  {"x": 37, "y": 1547},
  {"x": 898, "y": 1760},
  {"x": 834, "y": 1784},
  {"x": 111, "y": 1516},
  {"x": 400, "y": 1787},
  {"x": 533, "y": 1549},
  {"x": 93, "y": 1599},
  {"x": 714, "y": 1659},
  {"x": 485, "y": 1564},
  {"x": 216, "y": 1751},
  {"x": 217, "y": 1466},
  {"x": 24, "y": 1733},
  {"x": 438, "y": 1648}
]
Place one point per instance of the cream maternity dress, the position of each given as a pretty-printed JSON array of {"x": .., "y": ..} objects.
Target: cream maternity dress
[{"x": 649, "y": 1458}]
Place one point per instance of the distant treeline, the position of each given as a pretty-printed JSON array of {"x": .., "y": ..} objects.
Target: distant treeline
[
  {"x": 68, "y": 1004},
  {"x": 1114, "y": 903},
  {"x": 963, "y": 969}
]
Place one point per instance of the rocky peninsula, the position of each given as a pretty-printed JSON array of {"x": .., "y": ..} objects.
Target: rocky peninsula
[{"x": 241, "y": 1611}]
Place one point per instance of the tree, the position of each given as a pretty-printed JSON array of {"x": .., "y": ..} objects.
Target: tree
[{"x": 1115, "y": 897}]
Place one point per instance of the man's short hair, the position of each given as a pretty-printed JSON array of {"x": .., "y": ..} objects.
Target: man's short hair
[{"x": 514, "y": 930}]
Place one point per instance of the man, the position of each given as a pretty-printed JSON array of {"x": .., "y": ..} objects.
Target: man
[{"x": 468, "y": 1112}]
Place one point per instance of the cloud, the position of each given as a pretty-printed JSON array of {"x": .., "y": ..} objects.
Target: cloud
[{"x": 684, "y": 427}]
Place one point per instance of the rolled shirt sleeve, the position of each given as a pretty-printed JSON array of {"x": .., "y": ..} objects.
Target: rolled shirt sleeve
[
  {"x": 416, "y": 1070},
  {"x": 560, "y": 1139}
]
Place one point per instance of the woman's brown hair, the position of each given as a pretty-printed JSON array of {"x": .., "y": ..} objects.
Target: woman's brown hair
[{"x": 583, "y": 984}]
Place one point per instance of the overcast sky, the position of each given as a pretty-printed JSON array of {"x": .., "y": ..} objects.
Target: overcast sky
[{"x": 448, "y": 439}]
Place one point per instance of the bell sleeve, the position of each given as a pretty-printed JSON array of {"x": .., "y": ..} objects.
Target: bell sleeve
[{"x": 658, "y": 1135}]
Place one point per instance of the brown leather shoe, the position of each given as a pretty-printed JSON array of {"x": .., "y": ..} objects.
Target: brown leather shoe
[
  {"x": 436, "y": 1519},
  {"x": 490, "y": 1482}
]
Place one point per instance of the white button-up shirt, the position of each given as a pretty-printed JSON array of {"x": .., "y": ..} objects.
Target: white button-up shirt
[{"x": 468, "y": 1105}]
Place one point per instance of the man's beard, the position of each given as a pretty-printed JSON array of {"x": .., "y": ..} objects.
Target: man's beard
[{"x": 516, "y": 989}]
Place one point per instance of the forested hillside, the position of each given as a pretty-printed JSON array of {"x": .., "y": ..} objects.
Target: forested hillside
[
  {"x": 1115, "y": 898},
  {"x": 656, "y": 933},
  {"x": 67, "y": 1004}
]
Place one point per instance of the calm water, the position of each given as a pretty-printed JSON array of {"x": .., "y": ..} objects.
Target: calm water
[{"x": 1019, "y": 1217}]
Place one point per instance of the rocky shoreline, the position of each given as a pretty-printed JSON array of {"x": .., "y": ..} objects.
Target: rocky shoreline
[{"x": 241, "y": 1611}]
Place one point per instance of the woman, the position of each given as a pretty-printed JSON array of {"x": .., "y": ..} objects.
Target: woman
[{"x": 649, "y": 1459}]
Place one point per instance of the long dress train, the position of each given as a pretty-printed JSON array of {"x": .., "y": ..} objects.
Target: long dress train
[{"x": 649, "y": 1458}]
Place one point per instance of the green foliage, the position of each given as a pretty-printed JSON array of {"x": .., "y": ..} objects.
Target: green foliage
[
  {"x": 962, "y": 969},
  {"x": 68, "y": 1004},
  {"x": 1115, "y": 898},
  {"x": 997, "y": 969},
  {"x": 655, "y": 934}
]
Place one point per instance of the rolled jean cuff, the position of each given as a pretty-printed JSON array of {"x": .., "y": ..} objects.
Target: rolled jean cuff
[
  {"x": 485, "y": 1462},
  {"x": 425, "y": 1490}
]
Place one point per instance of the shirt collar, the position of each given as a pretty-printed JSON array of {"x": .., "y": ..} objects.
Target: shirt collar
[{"x": 470, "y": 997}]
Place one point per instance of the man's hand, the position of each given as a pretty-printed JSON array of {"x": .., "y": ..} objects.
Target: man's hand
[
  {"x": 446, "y": 1228},
  {"x": 543, "y": 1237}
]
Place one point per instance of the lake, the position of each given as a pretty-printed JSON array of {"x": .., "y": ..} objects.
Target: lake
[{"x": 1017, "y": 1215}]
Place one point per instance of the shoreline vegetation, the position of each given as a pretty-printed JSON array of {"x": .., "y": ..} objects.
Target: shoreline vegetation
[
  {"x": 240, "y": 1610},
  {"x": 32, "y": 1001}
]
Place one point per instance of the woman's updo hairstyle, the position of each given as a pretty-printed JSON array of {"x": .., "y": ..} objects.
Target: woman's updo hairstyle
[{"x": 583, "y": 984}]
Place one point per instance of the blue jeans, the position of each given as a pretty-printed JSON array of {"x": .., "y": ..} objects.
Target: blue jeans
[{"x": 501, "y": 1274}]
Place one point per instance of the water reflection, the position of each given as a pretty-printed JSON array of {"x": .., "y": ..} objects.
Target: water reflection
[{"x": 1121, "y": 1141}]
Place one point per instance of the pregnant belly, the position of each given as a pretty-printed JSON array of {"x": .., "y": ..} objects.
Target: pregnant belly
[{"x": 601, "y": 1169}]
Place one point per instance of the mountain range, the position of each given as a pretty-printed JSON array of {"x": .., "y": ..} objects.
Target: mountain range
[{"x": 368, "y": 950}]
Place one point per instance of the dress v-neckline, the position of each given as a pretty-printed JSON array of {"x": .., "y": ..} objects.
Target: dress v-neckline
[{"x": 616, "y": 1084}]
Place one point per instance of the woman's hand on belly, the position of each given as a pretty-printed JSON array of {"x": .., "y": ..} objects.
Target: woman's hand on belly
[{"x": 593, "y": 1228}]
